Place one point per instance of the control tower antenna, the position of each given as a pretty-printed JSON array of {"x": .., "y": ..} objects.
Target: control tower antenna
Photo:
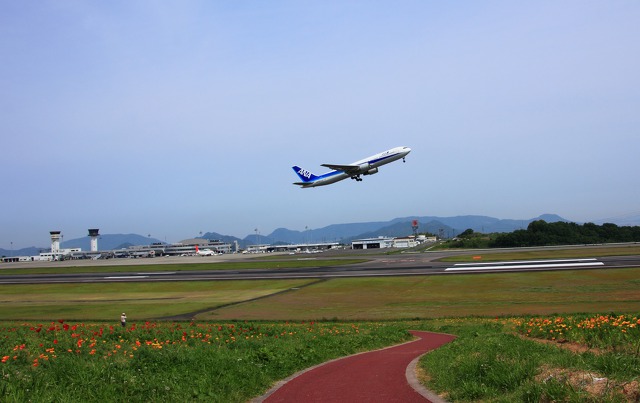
[{"x": 93, "y": 233}]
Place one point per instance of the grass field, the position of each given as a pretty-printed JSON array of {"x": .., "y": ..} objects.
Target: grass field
[
  {"x": 389, "y": 298},
  {"x": 141, "y": 301},
  {"x": 444, "y": 296}
]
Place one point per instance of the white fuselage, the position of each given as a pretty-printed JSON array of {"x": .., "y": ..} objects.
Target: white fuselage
[{"x": 365, "y": 166}]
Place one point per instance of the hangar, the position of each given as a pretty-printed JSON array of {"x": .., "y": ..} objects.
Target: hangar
[{"x": 372, "y": 243}]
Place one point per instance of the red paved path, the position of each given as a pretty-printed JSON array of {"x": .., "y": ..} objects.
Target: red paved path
[{"x": 376, "y": 376}]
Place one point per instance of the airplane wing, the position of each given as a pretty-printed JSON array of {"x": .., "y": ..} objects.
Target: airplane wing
[{"x": 348, "y": 169}]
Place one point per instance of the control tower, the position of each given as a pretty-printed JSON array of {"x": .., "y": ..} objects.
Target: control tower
[
  {"x": 93, "y": 233},
  {"x": 55, "y": 241}
]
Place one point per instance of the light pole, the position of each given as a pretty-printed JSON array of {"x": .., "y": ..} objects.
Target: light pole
[{"x": 257, "y": 240}]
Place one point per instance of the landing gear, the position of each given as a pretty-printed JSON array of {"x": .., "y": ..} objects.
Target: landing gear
[
  {"x": 403, "y": 160},
  {"x": 357, "y": 178}
]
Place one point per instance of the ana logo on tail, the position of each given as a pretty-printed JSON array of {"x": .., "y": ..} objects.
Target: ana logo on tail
[{"x": 303, "y": 173}]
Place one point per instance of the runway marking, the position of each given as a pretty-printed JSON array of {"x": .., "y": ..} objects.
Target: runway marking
[
  {"x": 591, "y": 259},
  {"x": 159, "y": 273},
  {"x": 528, "y": 264},
  {"x": 124, "y": 277}
]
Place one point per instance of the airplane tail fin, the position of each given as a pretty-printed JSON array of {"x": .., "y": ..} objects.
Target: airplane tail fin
[{"x": 303, "y": 174}]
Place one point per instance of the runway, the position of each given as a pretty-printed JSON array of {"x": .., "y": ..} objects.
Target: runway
[{"x": 418, "y": 264}]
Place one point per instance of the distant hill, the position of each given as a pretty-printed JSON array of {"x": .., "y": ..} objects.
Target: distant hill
[
  {"x": 30, "y": 251},
  {"x": 626, "y": 220},
  {"x": 445, "y": 226},
  {"x": 484, "y": 224},
  {"x": 214, "y": 236},
  {"x": 404, "y": 228},
  {"x": 345, "y": 233}
]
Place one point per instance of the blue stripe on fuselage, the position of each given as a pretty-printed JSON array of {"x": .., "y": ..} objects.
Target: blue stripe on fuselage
[{"x": 375, "y": 161}]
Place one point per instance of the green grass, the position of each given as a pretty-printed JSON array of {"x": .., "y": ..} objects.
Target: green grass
[
  {"x": 389, "y": 298},
  {"x": 168, "y": 362},
  {"x": 141, "y": 301},
  {"x": 375, "y": 298},
  {"x": 490, "y": 362}
]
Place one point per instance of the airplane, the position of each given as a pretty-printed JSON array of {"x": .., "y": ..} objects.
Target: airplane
[
  {"x": 204, "y": 252},
  {"x": 366, "y": 166}
]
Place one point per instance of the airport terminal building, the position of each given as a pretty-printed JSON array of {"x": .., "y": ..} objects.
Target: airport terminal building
[
  {"x": 200, "y": 246},
  {"x": 187, "y": 247}
]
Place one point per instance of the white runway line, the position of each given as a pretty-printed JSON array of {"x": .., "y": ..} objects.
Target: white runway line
[
  {"x": 531, "y": 264},
  {"x": 124, "y": 277},
  {"x": 591, "y": 259}
]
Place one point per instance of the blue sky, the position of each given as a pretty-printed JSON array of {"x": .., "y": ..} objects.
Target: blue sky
[{"x": 171, "y": 118}]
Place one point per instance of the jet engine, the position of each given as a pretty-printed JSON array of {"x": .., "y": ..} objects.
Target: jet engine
[
  {"x": 371, "y": 171},
  {"x": 364, "y": 168}
]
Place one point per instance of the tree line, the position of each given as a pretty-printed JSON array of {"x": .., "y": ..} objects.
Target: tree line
[{"x": 542, "y": 233}]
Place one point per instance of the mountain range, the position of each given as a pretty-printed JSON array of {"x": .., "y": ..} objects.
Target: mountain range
[{"x": 343, "y": 233}]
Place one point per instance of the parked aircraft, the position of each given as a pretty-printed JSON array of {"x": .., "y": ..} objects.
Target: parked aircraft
[{"x": 366, "y": 166}]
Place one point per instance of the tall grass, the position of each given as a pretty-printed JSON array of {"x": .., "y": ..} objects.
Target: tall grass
[{"x": 499, "y": 360}]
